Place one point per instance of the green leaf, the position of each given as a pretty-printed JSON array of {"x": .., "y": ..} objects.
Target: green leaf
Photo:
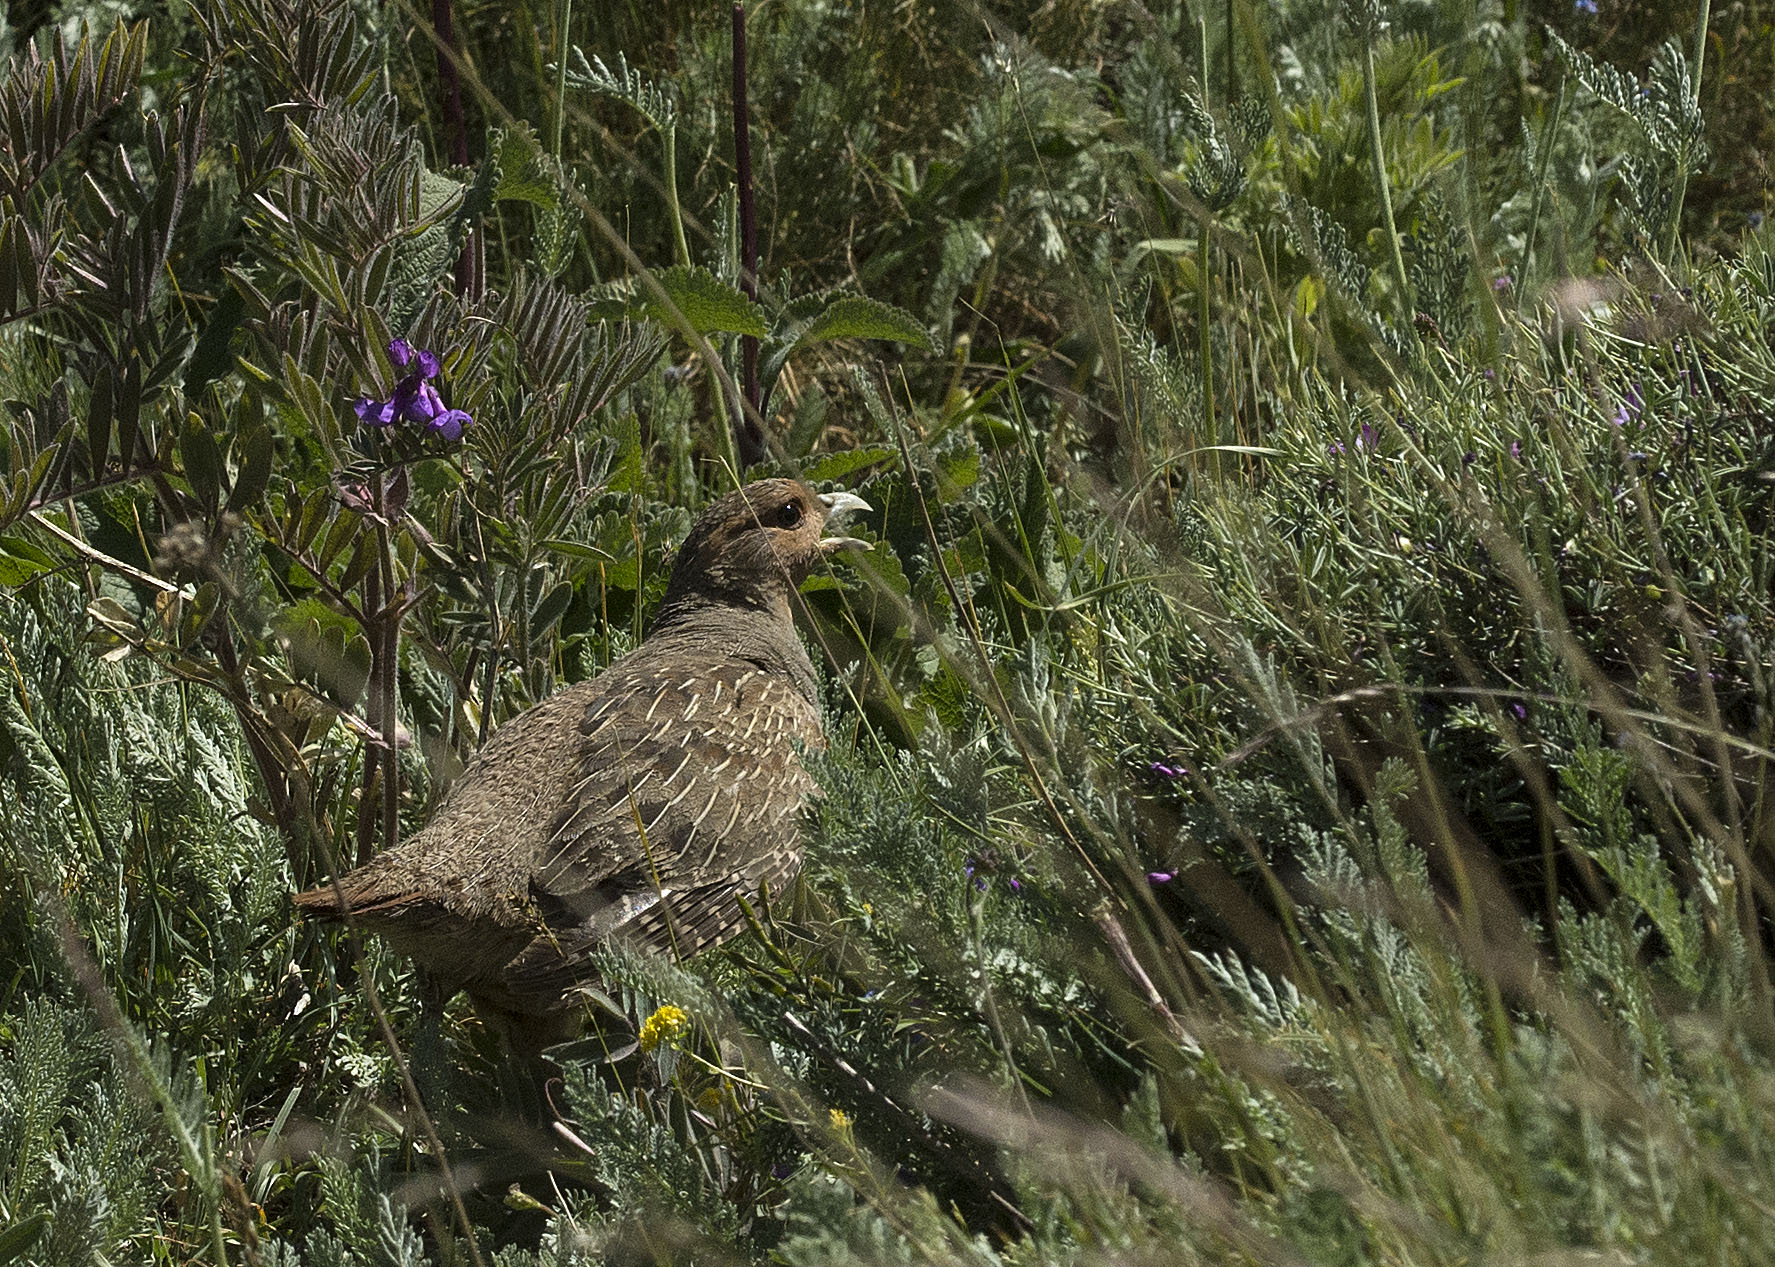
[
  {"x": 857, "y": 317},
  {"x": 426, "y": 256},
  {"x": 203, "y": 462},
  {"x": 708, "y": 304},
  {"x": 253, "y": 450},
  {"x": 550, "y": 609},
  {"x": 213, "y": 357},
  {"x": 524, "y": 170},
  {"x": 18, "y": 1238},
  {"x": 575, "y": 549},
  {"x": 837, "y": 466},
  {"x": 20, "y": 561}
]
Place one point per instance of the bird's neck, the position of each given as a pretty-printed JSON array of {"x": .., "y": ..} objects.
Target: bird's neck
[{"x": 761, "y": 632}]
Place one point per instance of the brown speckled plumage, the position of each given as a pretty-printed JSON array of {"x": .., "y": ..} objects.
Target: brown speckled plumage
[{"x": 642, "y": 803}]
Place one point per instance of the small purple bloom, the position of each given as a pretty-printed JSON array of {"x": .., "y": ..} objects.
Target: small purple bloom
[
  {"x": 1167, "y": 771},
  {"x": 1630, "y": 407},
  {"x": 1366, "y": 438},
  {"x": 1516, "y": 449},
  {"x": 1519, "y": 710},
  {"x": 1335, "y": 449},
  {"x": 1502, "y": 284},
  {"x": 980, "y": 883},
  {"x": 1491, "y": 375},
  {"x": 1160, "y": 877},
  {"x": 1584, "y": 6},
  {"x": 1469, "y": 458},
  {"x": 414, "y": 398},
  {"x": 1016, "y": 885},
  {"x": 1755, "y": 219},
  {"x": 374, "y": 413},
  {"x": 450, "y": 423}
]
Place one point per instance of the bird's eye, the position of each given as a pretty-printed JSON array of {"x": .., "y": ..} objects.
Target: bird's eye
[{"x": 788, "y": 515}]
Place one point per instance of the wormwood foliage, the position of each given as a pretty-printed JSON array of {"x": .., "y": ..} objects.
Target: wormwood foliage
[{"x": 1295, "y": 788}]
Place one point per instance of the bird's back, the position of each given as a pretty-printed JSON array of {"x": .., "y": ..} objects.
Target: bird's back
[{"x": 643, "y": 804}]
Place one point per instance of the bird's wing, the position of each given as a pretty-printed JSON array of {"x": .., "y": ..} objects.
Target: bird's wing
[{"x": 688, "y": 786}]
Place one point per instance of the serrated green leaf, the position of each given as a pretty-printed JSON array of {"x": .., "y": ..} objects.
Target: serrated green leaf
[
  {"x": 524, "y": 174},
  {"x": 858, "y": 317},
  {"x": 708, "y": 304},
  {"x": 419, "y": 261},
  {"x": 836, "y": 466}
]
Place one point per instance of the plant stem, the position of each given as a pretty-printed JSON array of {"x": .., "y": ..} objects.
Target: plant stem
[
  {"x": 391, "y": 646},
  {"x": 749, "y": 424},
  {"x": 1683, "y": 156},
  {"x": 1380, "y": 179},
  {"x": 1232, "y": 69},
  {"x": 1534, "y": 215},
  {"x": 563, "y": 18},
  {"x": 680, "y": 248},
  {"x": 1204, "y": 314}
]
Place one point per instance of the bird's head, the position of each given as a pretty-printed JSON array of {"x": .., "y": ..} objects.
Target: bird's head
[{"x": 753, "y": 546}]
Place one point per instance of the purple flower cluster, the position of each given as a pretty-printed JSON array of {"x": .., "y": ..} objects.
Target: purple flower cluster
[{"x": 414, "y": 399}]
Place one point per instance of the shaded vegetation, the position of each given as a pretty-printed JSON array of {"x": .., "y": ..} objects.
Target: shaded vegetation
[{"x": 1300, "y": 748}]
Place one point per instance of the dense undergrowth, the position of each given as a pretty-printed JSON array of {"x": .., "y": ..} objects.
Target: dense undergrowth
[{"x": 1299, "y": 752}]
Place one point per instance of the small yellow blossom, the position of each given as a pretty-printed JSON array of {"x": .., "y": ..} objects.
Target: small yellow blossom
[
  {"x": 666, "y": 1023},
  {"x": 709, "y": 1100},
  {"x": 841, "y": 1121}
]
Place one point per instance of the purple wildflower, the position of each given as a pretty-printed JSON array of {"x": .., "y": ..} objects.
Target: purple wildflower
[
  {"x": 1163, "y": 770},
  {"x": 1160, "y": 877},
  {"x": 1519, "y": 710},
  {"x": 1516, "y": 449},
  {"x": 414, "y": 398},
  {"x": 449, "y": 424},
  {"x": 1016, "y": 885},
  {"x": 1584, "y": 6},
  {"x": 1469, "y": 458},
  {"x": 1630, "y": 407},
  {"x": 1502, "y": 284},
  {"x": 1367, "y": 437}
]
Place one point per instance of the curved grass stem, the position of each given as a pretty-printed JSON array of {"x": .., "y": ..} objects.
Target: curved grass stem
[{"x": 1372, "y": 103}]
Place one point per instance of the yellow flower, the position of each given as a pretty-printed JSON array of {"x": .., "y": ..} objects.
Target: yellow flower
[
  {"x": 841, "y": 1121},
  {"x": 666, "y": 1023}
]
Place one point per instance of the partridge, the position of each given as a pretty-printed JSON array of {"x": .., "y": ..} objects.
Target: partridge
[{"x": 642, "y": 804}]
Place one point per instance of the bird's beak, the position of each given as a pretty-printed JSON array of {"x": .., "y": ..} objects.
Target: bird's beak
[{"x": 838, "y": 505}]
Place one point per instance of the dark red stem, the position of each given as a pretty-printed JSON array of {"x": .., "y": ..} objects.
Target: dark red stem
[{"x": 456, "y": 130}]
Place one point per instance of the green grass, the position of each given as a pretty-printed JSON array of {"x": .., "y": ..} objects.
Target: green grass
[{"x": 1323, "y": 820}]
